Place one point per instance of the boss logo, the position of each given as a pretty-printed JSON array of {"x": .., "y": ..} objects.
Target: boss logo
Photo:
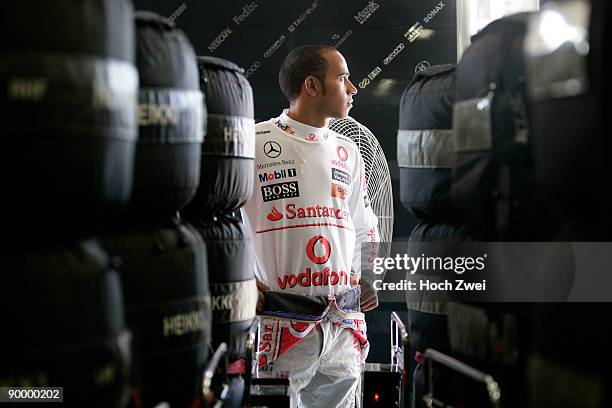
[
  {"x": 341, "y": 176},
  {"x": 281, "y": 190}
]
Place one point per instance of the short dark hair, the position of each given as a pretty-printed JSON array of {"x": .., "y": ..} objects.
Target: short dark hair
[{"x": 300, "y": 63}]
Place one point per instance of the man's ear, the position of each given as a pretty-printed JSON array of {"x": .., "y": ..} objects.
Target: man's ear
[{"x": 312, "y": 85}]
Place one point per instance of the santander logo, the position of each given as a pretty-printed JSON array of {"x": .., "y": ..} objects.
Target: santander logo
[
  {"x": 293, "y": 212},
  {"x": 274, "y": 215},
  {"x": 310, "y": 249}
]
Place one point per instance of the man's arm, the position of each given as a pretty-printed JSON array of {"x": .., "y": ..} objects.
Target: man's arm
[{"x": 261, "y": 299}]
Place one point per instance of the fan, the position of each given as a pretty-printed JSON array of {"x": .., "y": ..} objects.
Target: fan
[{"x": 378, "y": 179}]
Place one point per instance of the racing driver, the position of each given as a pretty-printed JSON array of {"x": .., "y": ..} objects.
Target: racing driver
[{"x": 309, "y": 217}]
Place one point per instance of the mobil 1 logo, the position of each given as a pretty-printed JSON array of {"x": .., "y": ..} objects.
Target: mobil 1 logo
[
  {"x": 277, "y": 175},
  {"x": 341, "y": 176},
  {"x": 281, "y": 190}
]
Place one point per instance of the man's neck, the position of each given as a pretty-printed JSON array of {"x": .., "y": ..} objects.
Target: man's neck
[{"x": 310, "y": 118}]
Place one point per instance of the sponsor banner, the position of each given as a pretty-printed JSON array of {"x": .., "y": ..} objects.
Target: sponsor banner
[
  {"x": 338, "y": 191},
  {"x": 177, "y": 12},
  {"x": 279, "y": 191},
  {"x": 367, "y": 12},
  {"x": 341, "y": 176},
  {"x": 219, "y": 39},
  {"x": 246, "y": 11},
  {"x": 420, "y": 272},
  {"x": 229, "y": 135}
]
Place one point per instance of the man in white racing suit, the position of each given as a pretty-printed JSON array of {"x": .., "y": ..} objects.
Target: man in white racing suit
[{"x": 309, "y": 217}]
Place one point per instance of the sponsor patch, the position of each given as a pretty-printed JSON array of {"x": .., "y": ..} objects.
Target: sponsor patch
[
  {"x": 261, "y": 166},
  {"x": 285, "y": 128},
  {"x": 341, "y": 176},
  {"x": 311, "y": 249},
  {"x": 277, "y": 175},
  {"x": 338, "y": 191},
  {"x": 278, "y": 191},
  {"x": 293, "y": 212},
  {"x": 309, "y": 278},
  {"x": 272, "y": 149},
  {"x": 274, "y": 215},
  {"x": 340, "y": 164},
  {"x": 262, "y": 132},
  {"x": 342, "y": 153}
]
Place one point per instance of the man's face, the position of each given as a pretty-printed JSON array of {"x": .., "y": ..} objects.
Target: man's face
[{"x": 337, "y": 97}]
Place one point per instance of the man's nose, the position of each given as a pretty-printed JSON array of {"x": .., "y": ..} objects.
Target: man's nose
[{"x": 352, "y": 90}]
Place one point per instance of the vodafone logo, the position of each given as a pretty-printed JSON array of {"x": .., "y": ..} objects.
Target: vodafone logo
[
  {"x": 311, "y": 137},
  {"x": 342, "y": 153},
  {"x": 318, "y": 241}
]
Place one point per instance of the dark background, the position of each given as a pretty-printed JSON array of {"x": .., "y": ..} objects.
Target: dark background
[{"x": 376, "y": 105}]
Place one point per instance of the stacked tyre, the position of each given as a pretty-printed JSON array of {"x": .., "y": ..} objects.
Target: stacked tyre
[
  {"x": 65, "y": 309},
  {"x": 426, "y": 160},
  {"x": 226, "y": 182},
  {"x": 69, "y": 114},
  {"x": 162, "y": 260},
  {"x": 69, "y": 111}
]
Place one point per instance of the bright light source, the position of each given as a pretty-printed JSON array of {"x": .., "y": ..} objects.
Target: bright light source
[{"x": 474, "y": 15}]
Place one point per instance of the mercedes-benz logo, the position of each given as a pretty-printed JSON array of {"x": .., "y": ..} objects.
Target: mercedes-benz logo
[{"x": 272, "y": 149}]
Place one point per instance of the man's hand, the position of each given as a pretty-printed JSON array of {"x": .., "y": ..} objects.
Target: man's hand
[
  {"x": 261, "y": 299},
  {"x": 369, "y": 298}
]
